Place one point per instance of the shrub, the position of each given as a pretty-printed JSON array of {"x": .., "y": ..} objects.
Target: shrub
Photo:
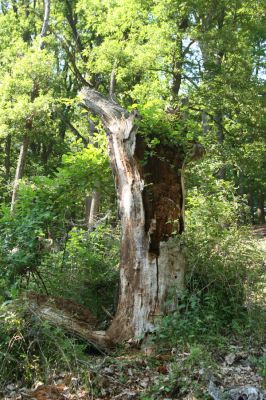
[
  {"x": 224, "y": 275},
  {"x": 89, "y": 266},
  {"x": 30, "y": 348}
]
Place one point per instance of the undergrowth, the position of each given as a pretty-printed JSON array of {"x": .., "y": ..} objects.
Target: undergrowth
[
  {"x": 224, "y": 296},
  {"x": 31, "y": 349},
  {"x": 223, "y": 303},
  {"x": 223, "y": 306}
]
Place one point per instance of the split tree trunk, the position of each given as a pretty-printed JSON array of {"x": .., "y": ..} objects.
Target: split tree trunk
[{"x": 150, "y": 202}]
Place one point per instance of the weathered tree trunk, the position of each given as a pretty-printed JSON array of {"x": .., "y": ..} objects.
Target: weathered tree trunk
[
  {"x": 150, "y": 202},
  {"x": 20, "y": 169}
]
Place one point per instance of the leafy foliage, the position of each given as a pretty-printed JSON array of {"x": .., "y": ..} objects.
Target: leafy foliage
[
  {"x": 225, "y": 275},
  {"x": 30, "y": 348}
]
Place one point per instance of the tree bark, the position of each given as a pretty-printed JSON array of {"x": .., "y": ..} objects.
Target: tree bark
[
  {"x": 150, "y": 202},
  {"x": 19, "y": 170}
]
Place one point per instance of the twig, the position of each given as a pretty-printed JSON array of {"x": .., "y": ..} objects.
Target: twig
[
  {"x": 112, "y": 83},
  {"x": 107, "y": 312}
]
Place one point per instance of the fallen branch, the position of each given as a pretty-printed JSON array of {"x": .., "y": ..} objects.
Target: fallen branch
[{"x": 71, "y": 317}]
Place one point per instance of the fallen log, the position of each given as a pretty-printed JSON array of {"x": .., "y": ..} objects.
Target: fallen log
[{"x": 71, "y": 317}]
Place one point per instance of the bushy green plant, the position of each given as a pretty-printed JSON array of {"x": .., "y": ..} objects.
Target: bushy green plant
[
  {"x": 187, "y": 373},
  {"x": 38, "y": 245},
  {"x": 30, "y": 348},
  {"x": 19, "y": 240},
  {"x": 88, "y": 264}
]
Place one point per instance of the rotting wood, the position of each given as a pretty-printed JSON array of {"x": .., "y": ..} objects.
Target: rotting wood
[
  {"x": 70, "y": 316},
  {"x": 150, "y": 203}
]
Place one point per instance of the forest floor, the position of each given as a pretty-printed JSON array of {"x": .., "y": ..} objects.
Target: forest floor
[
  {"x": 153, "y": 373},
  {"x": 136, "y": 376}
]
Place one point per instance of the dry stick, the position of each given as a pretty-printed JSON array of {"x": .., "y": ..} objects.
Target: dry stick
[
  {"x": 66, "y": 46},
  {"x": 107, "y": 312},
  {"x": 72, "y": 128},
  {"x": 112, "y": 83},
  {"x": 41, "y": 279}
]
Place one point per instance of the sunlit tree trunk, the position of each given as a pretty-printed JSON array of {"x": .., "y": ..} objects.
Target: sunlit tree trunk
[
  {"x": 87, "y": 210},
  {"x": 150, "y": 201},
  {"x": 94, "y": 208},
  {"x": 19, "y": 169}
]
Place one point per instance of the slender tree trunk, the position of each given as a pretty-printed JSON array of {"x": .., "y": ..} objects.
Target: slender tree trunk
[
  {"x": 220, "y": 138},
  {"x": 260, "y": 208},
  {"x": 7, "y": 156},
  {"x": 20, "y": 169},
  {"x": 204, "y": 123},
  {"x": 72, "y": 20},
  {"x": 94, "y": 208},
  {"x": 251, "y": 204},
  {"x": 150, "y": 202},
  {"x": 240, "y": 184},
  {"x": 87, "y": 210}
]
